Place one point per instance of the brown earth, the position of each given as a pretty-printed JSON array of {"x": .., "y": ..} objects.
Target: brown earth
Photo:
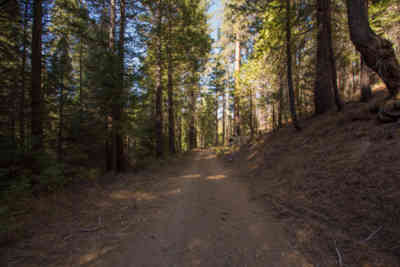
[
  {"x": 193, "y": 212},
  {"x": 326, "y": 196},
  {"x": 335, "y": 185}
]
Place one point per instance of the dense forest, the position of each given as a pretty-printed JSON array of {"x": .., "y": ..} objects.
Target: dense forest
[{"x": 97, "y": 86}]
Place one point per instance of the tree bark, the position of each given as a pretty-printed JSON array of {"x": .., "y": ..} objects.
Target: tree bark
[
  {"x": 377, "y": 53},
  {"x": 36, "y": 79},
  {"x": 324, "y": 89},
  {"x": 366, "y": 92},
  {"x": 280, "y": 107},
  {"x": 289, "y": 67},
  {"x": 159, "y": 104},
  {"x": 23, "y": 75},
  {"x": 236, "y": 97},
  {"x": 216, "y": 119},
  {"x": 118, "y": 138},
  {"x": 332, "y": 60},
  {"x": 170, "y": 85},
  {"x": 192, "y": 129},
  {"x": 223, "y": 116}
]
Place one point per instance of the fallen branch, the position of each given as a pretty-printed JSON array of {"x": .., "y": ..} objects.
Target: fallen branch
[
  {"x": 95, "y": 229},
  {"x": 373, "y": 233},
  {"x": 340, "y": 259}
]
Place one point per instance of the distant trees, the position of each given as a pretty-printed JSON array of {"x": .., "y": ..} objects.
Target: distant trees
[
  {"x": 322, "y": 67},
  {"x": 97, "y": 75}
]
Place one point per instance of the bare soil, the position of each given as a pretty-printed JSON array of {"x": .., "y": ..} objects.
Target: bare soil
[
  {"x": 193, "y": 212},
  {"x": 335, "y": 186},
  {"x": 326, "y": 196}
]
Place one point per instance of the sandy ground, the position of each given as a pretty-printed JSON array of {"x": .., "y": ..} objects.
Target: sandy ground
[{"x": 198, "y": 213}]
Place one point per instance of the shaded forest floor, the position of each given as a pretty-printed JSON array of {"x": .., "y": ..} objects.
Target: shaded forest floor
[
  {"x": 192, "y": 211},
  {"x": 335, "y": 185},
  {"x": 326, "y": 196}
]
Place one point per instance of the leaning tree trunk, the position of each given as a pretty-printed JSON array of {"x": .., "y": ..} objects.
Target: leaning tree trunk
[
  {"x": 289, "y": 67},
  {"x": 36, "y": 90},
  {"x": 377, "y": 53}
]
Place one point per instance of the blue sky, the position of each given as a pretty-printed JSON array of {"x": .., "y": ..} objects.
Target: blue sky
[{"x": 216, "y": 11}]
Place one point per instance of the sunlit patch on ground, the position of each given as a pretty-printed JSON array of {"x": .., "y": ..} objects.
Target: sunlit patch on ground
[
  {"x": 191, "y": 176},
  {"x": 216, "y": 177},
  {"x": 174, "y": 192},
  {"x": 210, "y": 156},
  {"x": 93, "y": 255},
  {"x": 296, "y": 259},
  {"x": 127, "y": 195},
  {"x": 304, "y": 235}
]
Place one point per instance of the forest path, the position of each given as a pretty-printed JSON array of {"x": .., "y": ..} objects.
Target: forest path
[
  {"x": 193, "y": 211},
  {"x": 207, "y": 219}
]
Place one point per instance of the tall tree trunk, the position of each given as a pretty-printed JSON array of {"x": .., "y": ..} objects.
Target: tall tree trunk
[
  {"x": 366, "y": 92},
  {"x": 332, "y": 60},
  {"x": 80, "y": 84},
  {"x": 251, "y": 117},
  {"x": 111, "y": 38},
  {"x": 377, "y": 53},
  {"x": 36, "y": 90},
  {"x": 280, "y": 107},
  {"x": 159, "y": 104},
  {"x": 236, "y": 96},
  {"x": 118, "y": 138},
  {"x": 323, "y": 90},
  {"x": 23, "y": 75},
  {"x": 60, "y": 123},
  {"x": 171, "y": 112},
  {"x": 289, "y": 67},
  {"x": 216, "y": 119},
  {"x": 192, "y": 129},
  {"x": 112, "y": 125},
  {"x": 223, "y": 116}
]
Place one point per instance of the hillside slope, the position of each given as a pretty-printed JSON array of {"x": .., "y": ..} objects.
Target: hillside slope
[{"x": 336, "y": 184}]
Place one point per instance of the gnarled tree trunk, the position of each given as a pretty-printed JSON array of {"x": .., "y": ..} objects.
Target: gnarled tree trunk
[{"x": 377, "y": 53}]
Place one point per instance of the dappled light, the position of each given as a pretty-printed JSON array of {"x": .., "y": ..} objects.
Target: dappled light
[
  {"x": 94, "y": 255},
  {"x": 204, "y": 133},
  {"x": 132, "y": 195},
  {"x": 216, "y": 177},
  {"x": 173, "y": 192},
  {"x": 191, "y": 176}
]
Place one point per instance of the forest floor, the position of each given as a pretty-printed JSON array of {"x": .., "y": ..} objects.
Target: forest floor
[
  {"x": 335, "y": 186},
  {"x": 194, "y": 211},
  {"x": 326, "y": 196}
]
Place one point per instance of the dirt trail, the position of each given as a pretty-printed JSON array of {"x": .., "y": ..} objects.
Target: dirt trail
[
  {"x": 208, "y": 220},
  {"x": 195, "y": 211}
]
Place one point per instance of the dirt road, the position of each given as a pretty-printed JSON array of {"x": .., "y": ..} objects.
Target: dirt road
[
  {"x": 198, "y": 214},
  {"x": 207, "y": 221}
]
